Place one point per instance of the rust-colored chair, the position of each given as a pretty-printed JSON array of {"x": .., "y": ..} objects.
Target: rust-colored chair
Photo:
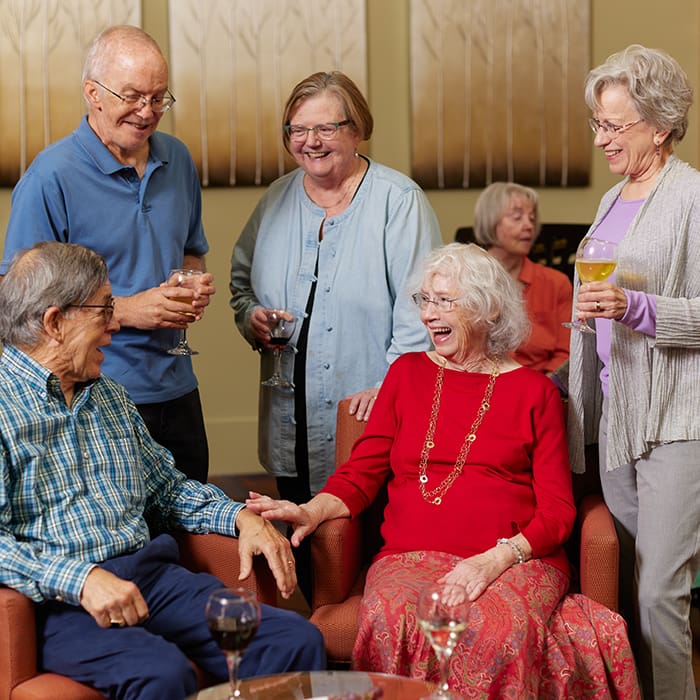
[
  {"x": 21, "y": 680},
  {"x": 342, "y": 550}
]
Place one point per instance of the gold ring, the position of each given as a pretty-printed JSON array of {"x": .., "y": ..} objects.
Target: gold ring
[
  {"x": 598, "y": 307},
  {"x": 117, "y": 623}
]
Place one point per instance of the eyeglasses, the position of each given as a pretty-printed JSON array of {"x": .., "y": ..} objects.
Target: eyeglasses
[
  {"x": 443, "y": 303},
  {"x": 610, "y": 129},
  {"x": 158, "y": 104},
  {"x": 326, "y": 131},
  {"x": 107, "y": 309}
]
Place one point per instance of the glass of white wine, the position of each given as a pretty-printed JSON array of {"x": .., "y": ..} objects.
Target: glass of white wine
[
  {"x": 443, "y": 611},
  {"x": 183, "y": 278},
  {"x": 596, "y": 260}
]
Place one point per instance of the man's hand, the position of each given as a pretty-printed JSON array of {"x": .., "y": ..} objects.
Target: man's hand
[
  {"x": 112, "y": 600},
  {"x": 162, "y": 306},
  {"x": 258, "y": 536}
]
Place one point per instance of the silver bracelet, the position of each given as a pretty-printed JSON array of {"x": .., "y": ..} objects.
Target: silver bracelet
[{"x": 514, "y": 546}]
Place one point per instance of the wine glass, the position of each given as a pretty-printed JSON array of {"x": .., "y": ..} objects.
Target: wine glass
[
  {"x": 282, "y": 324},
  {"x": 183, "y": 278},
  {"x": 596, "y": 260},
  {"x": 233, "y": 617},
  {"x": 443, "y": 610}
]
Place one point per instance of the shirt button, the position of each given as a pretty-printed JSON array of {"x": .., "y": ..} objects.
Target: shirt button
[
  {"x": 59, "y": 598},
  {"x": 326, "y": 365},
  {"x": 86, "y": 455},
  {"x": 329, "y": 329},
  {"x": 329, "y": 437}
]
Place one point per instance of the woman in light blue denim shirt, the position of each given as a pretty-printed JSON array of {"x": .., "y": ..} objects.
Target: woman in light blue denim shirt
[{"x": 334, "y": 242}]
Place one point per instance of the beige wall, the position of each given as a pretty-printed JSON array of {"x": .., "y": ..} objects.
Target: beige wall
[{"x": 226, "y": 367}]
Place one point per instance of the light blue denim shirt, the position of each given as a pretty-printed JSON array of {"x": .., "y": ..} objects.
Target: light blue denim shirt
[{"x": 362, "y": 318}]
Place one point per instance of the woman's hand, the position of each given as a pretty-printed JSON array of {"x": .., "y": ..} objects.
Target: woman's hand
[
  {"x": 304, "y": 518},
  {"x": 477, "y": 572},
  {"x": 261, "y": 322},
  {"x": 601, "y": 300},
  {"x": 361, "y": 403}
]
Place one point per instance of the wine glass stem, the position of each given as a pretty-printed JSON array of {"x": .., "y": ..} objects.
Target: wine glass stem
[
  {"x": 278, "y": 363},
  {"x": 232, "y": 660},
  {"x": 444, "y": 662}
]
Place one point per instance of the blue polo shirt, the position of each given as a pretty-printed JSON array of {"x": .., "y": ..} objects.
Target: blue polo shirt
[{"x": 76, "y": 191}]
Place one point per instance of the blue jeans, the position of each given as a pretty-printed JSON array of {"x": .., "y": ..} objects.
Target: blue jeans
[{"x": 152, "y": 661}]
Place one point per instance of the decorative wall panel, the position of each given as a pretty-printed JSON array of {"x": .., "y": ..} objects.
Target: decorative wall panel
[
  {"x": 497, "y": 92},
  {"x": 233, "y": 65},
  {"x": 42, "y": 48}
]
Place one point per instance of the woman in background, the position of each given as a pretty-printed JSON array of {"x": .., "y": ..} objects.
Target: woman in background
[{"x": 506, "y": 223}]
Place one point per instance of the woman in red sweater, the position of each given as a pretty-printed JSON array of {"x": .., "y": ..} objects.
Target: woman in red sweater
[{"x": 479, "y": 494}]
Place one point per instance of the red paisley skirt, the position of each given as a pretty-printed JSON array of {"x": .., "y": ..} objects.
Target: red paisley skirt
[{"x": 526, "y": 637}]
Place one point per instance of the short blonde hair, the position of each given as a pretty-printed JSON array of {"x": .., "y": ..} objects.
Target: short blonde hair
[
  {"x": 493, "y": 203},
  {"x": 656, "y": 83},
  {"x": 487, "y": 294},
  {"x": 336, "y": 83}
]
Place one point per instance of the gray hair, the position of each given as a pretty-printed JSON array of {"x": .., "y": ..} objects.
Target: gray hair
[
  {"x": 493, "y": 203},
  {"x": 48, "y": 274},
  {"x": 656, "y": 83},
  {"x": 108, "y": 40},
  {"x": 487, "y": 294}
]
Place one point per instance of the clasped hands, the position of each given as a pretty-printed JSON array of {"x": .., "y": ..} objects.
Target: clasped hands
[{"x": 157, "y": 307}]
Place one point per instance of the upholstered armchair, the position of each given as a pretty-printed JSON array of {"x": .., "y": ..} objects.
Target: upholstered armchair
[
  {"x": 342, "y": 549},
  {"x": 21, "y": 680}
]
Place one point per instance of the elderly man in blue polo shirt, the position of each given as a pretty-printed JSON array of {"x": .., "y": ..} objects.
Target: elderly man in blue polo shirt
[
  {"x": 117, "y": 186},
  {"x": 79, "y": 474}
]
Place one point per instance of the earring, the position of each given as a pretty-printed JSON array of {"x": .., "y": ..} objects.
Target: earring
[{"x": 658, "y": 149}]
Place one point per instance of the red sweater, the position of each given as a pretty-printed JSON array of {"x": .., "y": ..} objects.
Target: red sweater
[{"x": 516, "y": 477}]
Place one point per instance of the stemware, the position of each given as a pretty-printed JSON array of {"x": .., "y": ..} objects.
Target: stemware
[
  {"x": 443, "y": 611},
  {"x": 233, "y": 617},
  {"x": 596, "y": 260},
  {"x": 282, "y": 324},
  {"x": 183, "y": 278}
]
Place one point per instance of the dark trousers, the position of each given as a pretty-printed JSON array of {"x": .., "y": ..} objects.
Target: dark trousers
[
  {"x": 150, "y": 661},
  {"x": 178, "y": 425}
]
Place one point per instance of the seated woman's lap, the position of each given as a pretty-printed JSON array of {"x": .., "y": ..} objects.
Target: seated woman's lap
[{"x": 507, "y": 624}]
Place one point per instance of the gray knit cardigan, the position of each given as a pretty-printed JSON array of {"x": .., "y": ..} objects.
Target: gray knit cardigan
[{"x": 654, "y": 390}]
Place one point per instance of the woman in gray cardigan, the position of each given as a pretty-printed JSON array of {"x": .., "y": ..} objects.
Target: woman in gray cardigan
[{"x": 635, "y": 385}]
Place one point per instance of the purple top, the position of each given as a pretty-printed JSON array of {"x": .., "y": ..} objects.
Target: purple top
[{"x": 640, "y": 315}]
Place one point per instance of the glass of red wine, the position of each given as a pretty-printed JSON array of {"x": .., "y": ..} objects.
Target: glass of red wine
[
  {"x": 282, "y": 324},
  {"x": 233, "y": 616}
]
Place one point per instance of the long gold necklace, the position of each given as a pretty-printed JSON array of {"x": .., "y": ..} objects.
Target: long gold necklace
[{"x": 435, "y": 495}]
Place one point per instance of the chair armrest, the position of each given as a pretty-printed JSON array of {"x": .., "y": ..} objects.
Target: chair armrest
[
  {"x": 336, "y": 560},
  {"x": 600, "y": 552},
  {"x": 17, "y": 640},
  {"x": 218, "y": 555}
]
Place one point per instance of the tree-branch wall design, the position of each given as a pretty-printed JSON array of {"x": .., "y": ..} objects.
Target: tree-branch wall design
[
  {"x": 233, "y": 65},
  {"x": 497, "y": 92},
  {"x": 42, "y": 49}
]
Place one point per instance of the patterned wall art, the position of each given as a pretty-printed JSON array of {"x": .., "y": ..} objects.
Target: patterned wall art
[
  {"x": 42, "y": 48},
  {"x": 234, "y": 63},
  {"x": 497, "y": 92}
]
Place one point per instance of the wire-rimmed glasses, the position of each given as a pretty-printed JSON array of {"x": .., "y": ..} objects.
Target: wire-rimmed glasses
[
  {"x": 157, "y": 104},
  {"x": 107, "y": 309},
  {"x": 611, "y": 129},
  {"x": 442, "y": 303},
  {"x": 325, "y": 132}
]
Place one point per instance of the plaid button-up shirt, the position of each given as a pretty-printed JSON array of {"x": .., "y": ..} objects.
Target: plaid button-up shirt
[{"x": 77, "y": 483}]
